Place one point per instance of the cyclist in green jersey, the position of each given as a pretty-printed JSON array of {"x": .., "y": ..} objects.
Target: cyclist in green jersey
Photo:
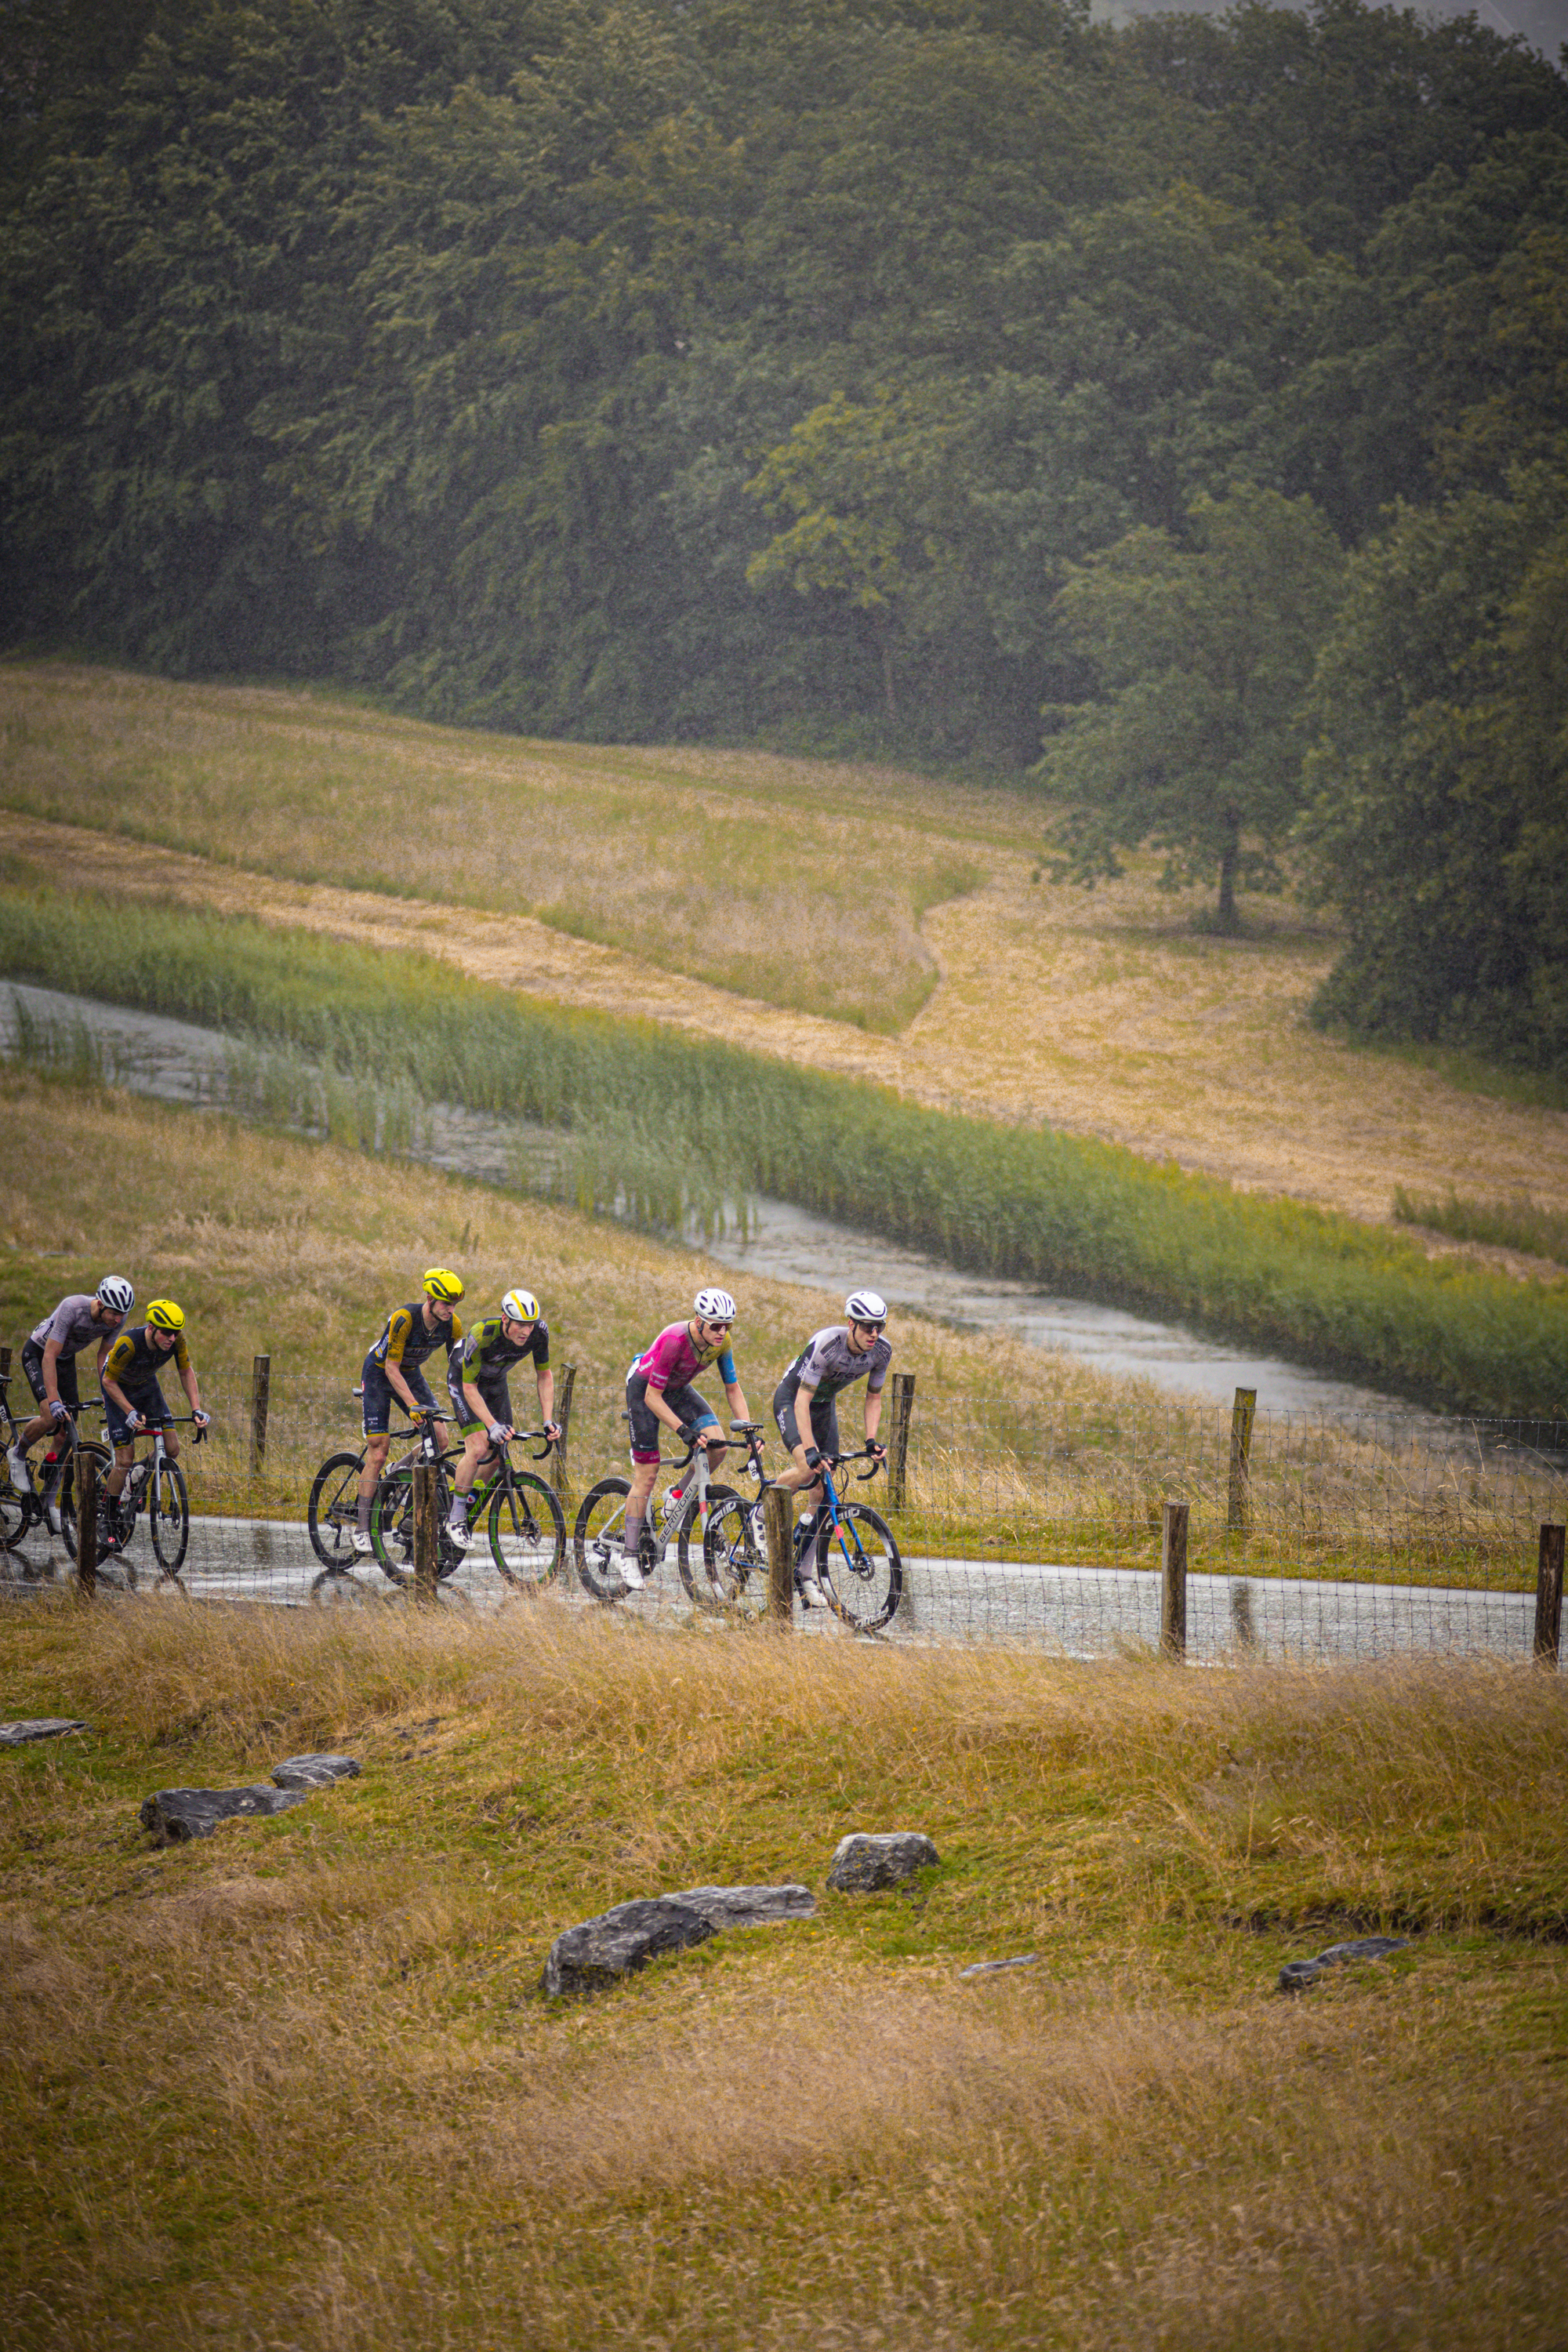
[{"x": 477, "y": 1383}]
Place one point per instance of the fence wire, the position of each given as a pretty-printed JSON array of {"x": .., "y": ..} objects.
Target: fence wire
[{"x": 1016, "y": 1522}]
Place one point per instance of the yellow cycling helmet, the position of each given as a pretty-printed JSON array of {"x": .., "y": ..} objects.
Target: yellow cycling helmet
[
  {"x": 165, "y": 1315},
  {"x": 439, "y": 1284}
]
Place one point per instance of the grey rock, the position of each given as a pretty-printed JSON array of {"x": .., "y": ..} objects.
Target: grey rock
[
  {"x": 175, "y": 1814},
  {"x": 37, "y": 1727},
  {"x": 864, "y": 1860},
  {"x": 313, "y": 1772},
  {"x": 995, "y": 1967},
  {"x": 748, "y": 1906},
  {"x": 598, "y": 1951},
  {"x": 1296, "y": 1975}
]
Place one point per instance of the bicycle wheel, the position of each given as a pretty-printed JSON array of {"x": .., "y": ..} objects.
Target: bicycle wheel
[
  {"x": 690, "y": 1557},
  {"x": 391, "y": 1524},
  {"x": 596, "y": 1538},
  {"x": 169, "y": 1519},
  {"x": 527, "y": 1532},
  {"x": 735, "y": 1558},
  {"x": 861, "y": 1573},
  {"x": 104, "y": 1461},
  {"x": 333, "y": 1512}
]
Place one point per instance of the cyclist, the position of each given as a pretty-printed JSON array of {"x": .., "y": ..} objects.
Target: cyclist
[
  {"x": 659, "y": 1389},
  {"x": 49, "y": 1359},
  {"x": 409, "y": 1336},
  {"x": 133, "y": 1401},
  {"x": 477, "y": 1383},
  {"x": 805, "y": 1401}
]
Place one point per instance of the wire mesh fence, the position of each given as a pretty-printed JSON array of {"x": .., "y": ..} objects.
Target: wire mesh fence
[{"x": 1306, "y": 1536}]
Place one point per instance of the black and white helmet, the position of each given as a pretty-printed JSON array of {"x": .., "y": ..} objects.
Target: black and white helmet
[
  {"x": 715, "y": 1307},
  {"x": 866, "y": 1306},
  {"x": 115, "y": 1293}
]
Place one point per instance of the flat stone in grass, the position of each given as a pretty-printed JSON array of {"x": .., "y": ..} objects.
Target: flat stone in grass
[
  {"x": 865, "y": 1861},
  {"x": 1296, "y": 1975},
  {"x": 313, "y": 1772},
  {"x": 622, "y": 1940},
  {"x": 997, "y": 1967},
  {"x": 37, "y": 1727},
  {"x": 175, "y": 1814}
]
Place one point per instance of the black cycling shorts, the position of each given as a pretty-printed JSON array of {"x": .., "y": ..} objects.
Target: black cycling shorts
[
  {"x": 65, "y": 1377},
  {"x": 495, "y": 1394},
  {"x": 692, "y": 1409},
  {"x": 824, "y": 1418}
]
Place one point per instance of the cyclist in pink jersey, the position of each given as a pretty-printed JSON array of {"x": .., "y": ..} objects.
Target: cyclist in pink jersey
[{"x": 659, "y": 1389}]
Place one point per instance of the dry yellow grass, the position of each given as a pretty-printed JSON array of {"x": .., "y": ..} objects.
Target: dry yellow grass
[
  {"x": 287, "y": 2087},
  {"x": 1102, "y": 1012}
]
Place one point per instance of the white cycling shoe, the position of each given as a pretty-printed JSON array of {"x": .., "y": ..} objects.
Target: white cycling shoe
[
  {"x": 460, "y": 1533},
  {"x": 631, "y": 1573},
  {"x": 17, "y": 1463},
  {"x": 812, "y": 1595},
  {"x": 362, "y": 1543}
]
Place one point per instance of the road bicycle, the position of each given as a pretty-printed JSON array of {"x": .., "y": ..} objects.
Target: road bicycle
[
  {"x": 683, "y": 1519},
  {"x": 33, "y": 1513},
  {"x": 853, "y": 1549},
  {"x": 522, "y": 1523},
  {"x": 153, "y": 1485},
  {"x": 332, "y": 1515}
]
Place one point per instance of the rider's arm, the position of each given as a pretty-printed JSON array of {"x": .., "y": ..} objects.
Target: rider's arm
[
  {"x": 188, "y": 1375},
  {"x": 51, "y": 1369},
  {"x": 660, "y": 1407},
  {"x": 873, "y": 1414},
  {"x": 546, "y": 1379},
  {"x": 736, "y": 1398},
  {"x": 391, "y": 1365}
]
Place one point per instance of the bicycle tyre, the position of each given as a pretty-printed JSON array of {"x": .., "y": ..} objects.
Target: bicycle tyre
[
  {"x": 334, "y": 1492},
  {"x": 596, "y": 1535},
  {"x": 527, "y": 1532},
  {"x": 861, "y": 1572},
  {"x": 169, "y": 1519},
  {"x": 104, "y": 1459},
  {"x": 735, "y": 1560},
  {"x": 691, "y": 1561}
]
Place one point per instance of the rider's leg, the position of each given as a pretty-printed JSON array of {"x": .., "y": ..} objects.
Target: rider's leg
[
  {"x": 476, "y": 1446},
  {"x": 114, "y": 1484}
]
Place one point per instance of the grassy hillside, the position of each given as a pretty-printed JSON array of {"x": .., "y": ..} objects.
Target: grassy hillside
[
  {"x": 291, "y": 2085},
  {"x": 1102, "y": 1012},
  {"x": 671, "y": 1121}
]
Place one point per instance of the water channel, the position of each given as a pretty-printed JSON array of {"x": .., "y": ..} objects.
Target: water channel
[{"x": 179, "y": 1062}]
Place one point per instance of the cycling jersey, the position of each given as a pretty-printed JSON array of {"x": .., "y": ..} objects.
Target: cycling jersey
[
  {"x": 135, "y": 1363},
  {"x": 675, "y": 1359},
  {"x": 72, "y": 1324},
  {"x": 829, "y": 1365},
  {"x": 487, "y": 1351},
  {"x": 406, "y": 1339}
]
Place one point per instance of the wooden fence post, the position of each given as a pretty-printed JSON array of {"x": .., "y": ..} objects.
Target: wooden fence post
[
  {"x": 1549, "y": 1595},
  {"x": 425, "y": 1536},
  {"x": 5, "y": 1363},
  {"x": 778, "y": 1516},
  {"x": 1240, "y": 1515},
  {"x": 1174, "y": 1581},
  {"x": 86, "y": 1525},
  {"x": 558, "y": 1473},
  {"x": 260, "y": 1397},
  {"x": 903, "y": 1387}
]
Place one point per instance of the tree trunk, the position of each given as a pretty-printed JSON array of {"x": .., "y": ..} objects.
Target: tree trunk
[{"x": 1230, "y": 858}]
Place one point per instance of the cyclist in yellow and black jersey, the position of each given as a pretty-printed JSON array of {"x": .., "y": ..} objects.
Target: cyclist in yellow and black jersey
[
  {"x": 410, "y": 1335},
  {"x": 132, "y": 1399}
]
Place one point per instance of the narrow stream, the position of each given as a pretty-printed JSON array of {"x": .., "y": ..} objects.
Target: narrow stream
[{"x": 178, "y": 1062}]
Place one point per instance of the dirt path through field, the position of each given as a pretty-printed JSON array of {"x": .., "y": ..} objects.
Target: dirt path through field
[{"x": 1103, "y": 1014}]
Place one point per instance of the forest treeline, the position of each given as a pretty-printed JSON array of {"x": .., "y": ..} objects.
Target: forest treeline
[{"x": 1177, "y": 411}]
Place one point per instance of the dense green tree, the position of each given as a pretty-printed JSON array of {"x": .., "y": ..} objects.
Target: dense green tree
[{"x": 1203, "y": 650}]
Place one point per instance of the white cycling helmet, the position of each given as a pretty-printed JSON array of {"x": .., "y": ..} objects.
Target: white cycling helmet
[
  {"x": 115, "y": 1293},
  {"x": 866, "y": 1306},
  {"x": 715, "y": 1307},
  {"x": 519, "y": 1307}
]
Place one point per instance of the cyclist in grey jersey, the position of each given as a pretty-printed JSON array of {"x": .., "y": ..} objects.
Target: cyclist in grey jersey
[
  {"x": 806, "y": 1399},
  {"x": 49, "y": 1360}
]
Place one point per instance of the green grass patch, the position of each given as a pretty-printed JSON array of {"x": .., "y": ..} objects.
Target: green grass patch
[
  {"x": 1521, "y": 1223},
  {"x": 674, "y": 1121}
]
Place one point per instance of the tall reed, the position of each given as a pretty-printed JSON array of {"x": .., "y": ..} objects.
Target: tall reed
[{"x": 677, "y": 1120}]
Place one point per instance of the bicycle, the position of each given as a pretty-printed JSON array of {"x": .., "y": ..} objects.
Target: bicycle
[
  {"x": 600, "y": 1523},
  {"x": 858, "y": 1561},
  {"x": 332, "y": 1515},
  {"x": 154, "y": 1484},
  {"x": 525, "y": 1528},
  {"x": 40, "y": 1508}
]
